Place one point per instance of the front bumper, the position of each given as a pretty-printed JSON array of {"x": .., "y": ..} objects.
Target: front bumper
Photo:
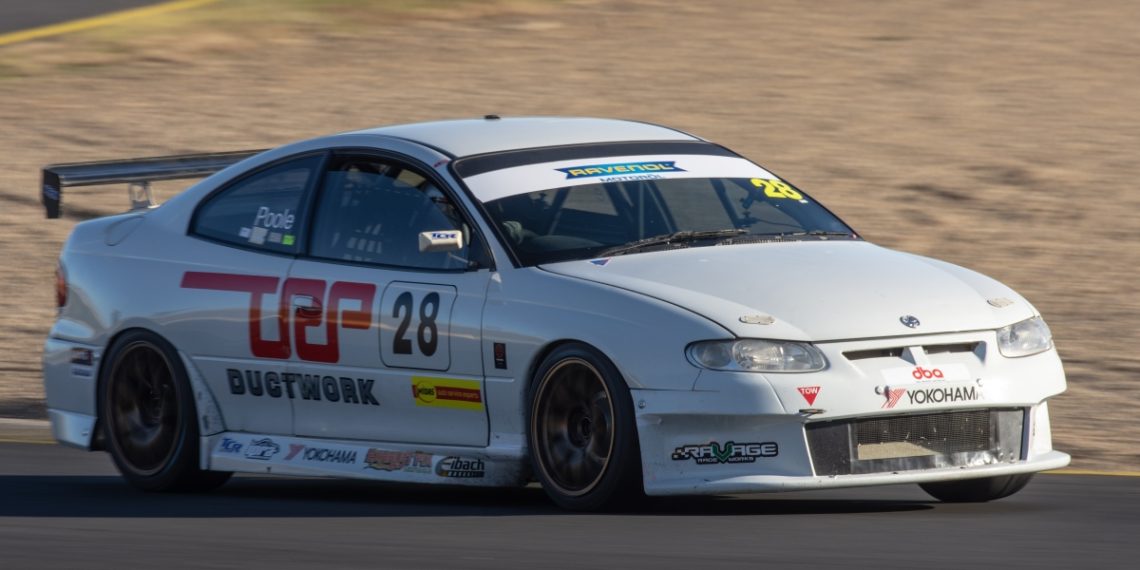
[
  {"x": 860, "y": 422},
  {"x": 780, "y": 483}
]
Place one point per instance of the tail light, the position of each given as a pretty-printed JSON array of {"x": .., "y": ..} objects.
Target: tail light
[{"x": 60, "y": 287}]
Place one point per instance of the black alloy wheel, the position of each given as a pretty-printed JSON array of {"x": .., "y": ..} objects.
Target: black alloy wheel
[
  {"x": 148, "y": 416},
  {"x": 582, "y": 434}
]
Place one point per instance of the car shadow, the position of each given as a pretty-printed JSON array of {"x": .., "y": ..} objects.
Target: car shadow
[{"x": 110, "y": 496}]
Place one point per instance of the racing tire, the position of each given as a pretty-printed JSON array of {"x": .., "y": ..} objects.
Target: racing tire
[
  {"x": 149, "y": 421},
  {"x": 581, "y": 431},
  {"x": 977, "y": 490}
]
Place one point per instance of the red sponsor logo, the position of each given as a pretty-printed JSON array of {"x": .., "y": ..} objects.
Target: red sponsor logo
[
  {"x": 328, "y": 311},
  {"x": 809, "y": 393},
  {"x": 294, "y": 449},
  {"x": 458, "y": 394},
  {"x": 428, "y": 393},
  {"x": 893, "y": 398},
  {"x": 921, "y": 373},
  {"x": 383, "y": 460}
]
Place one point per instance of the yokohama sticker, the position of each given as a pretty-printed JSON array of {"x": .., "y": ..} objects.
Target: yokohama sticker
[
  {"x": 923, "y": 396},
  {"x": 713, "y": 453},
  {"x": 321, "y": 454}
]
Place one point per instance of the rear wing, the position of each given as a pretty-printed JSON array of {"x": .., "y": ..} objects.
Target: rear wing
[{"x": 137, "y": 173}]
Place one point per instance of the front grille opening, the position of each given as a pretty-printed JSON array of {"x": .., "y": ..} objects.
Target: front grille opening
[
  {"x": 897, "y": 351},
  {"x": 950, "y": 348},
  {"x": 874, "y": 353},
  {"x": 921, "y": 441}
]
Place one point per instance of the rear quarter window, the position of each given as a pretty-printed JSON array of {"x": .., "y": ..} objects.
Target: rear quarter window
[{"x": 260, "y": 211}]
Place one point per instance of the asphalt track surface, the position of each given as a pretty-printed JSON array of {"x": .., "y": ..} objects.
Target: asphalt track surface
[
  {"x": 64, "y": 508},
  {"x": 24, "y": 14}
]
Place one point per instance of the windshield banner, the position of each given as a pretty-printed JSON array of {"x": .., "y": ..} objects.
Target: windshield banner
[{"x": 531, "y": 177}]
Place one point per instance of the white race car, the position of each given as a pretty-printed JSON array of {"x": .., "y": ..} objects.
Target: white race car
[{"x": 606, "y": 307}]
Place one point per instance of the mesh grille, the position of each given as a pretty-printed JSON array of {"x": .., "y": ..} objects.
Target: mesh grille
[
  {"x": 937, "y": 433},
  {"x": 921, "y": 441}
]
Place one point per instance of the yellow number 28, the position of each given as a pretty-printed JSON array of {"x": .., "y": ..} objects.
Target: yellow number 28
[{"x": 776, "y": 189}]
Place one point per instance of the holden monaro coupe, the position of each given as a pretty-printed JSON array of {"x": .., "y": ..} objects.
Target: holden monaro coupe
[{"x": 606, "y": 307}]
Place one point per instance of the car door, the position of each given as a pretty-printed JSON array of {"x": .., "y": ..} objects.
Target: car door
[
  {"x": 229, "y": 318},
  {"x": 387, "y": 311}
]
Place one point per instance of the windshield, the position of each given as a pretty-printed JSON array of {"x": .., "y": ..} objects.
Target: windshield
[{"x": 632, "y": 210}]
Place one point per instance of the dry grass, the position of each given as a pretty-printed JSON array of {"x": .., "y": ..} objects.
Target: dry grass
[{"x": 996, "y": 135}]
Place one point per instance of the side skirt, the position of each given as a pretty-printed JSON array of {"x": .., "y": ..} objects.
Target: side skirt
[{"x": 406, "y": 463}]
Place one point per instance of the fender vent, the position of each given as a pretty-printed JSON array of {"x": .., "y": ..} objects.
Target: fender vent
[{"x": 922, "y": 441}]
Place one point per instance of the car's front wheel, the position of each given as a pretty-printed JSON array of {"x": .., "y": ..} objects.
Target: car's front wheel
[
  {"x": 582, "y": 433},
  {"x": 148, "y": 417},
  {"x": 977, "y": 490}
]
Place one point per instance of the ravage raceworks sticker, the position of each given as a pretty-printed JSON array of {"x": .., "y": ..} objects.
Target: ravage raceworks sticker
[{"x": 713, "y": 453}]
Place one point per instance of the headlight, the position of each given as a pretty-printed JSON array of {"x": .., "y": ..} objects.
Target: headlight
[
  {"x": 753, "y": 355},
  {"x": 1025, "y": 338}
]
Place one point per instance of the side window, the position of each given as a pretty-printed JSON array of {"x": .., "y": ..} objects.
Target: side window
[
  {"x": 373, "y": 211},
  {"x": 262, "y": 210}
]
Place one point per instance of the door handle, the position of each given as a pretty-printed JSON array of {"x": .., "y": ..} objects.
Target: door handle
[{"x": 307, "y": 306}]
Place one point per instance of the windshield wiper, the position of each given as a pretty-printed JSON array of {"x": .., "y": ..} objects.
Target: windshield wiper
[
  {"x": 812, "y": 233},
  {"x": 665, "y": 239}
]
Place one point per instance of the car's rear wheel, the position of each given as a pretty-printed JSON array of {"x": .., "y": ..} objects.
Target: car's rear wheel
[
  {"x": 977, "y": 490},
  {"x": 582, "y": 433},
  {"x": 148, "y": 416}
]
